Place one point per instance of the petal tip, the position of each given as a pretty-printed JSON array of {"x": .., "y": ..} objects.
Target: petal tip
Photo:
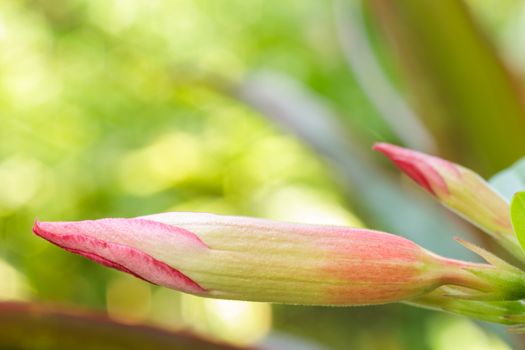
[
  {"x": 72, "y": 237},
  {"x": 418, "y": 166},
  {"x": 383, "y": 147},
  {"x": 394, "y": 152},
  {"x": 50, "y": 231},
  {"x": 39, "y": 229}
]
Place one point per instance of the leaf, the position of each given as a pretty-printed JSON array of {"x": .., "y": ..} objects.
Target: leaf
[
  {"x": 459, "y": 83},
  {"x": 357, "y": 48},
  {"x": 511, "y": 180},
  {"x": 517, "y": 214}
]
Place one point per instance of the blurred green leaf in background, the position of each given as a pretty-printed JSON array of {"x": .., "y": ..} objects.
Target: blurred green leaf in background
[{"x": 262, "y": 108}]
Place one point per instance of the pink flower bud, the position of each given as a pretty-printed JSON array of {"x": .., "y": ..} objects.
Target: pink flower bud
[
  {"x": 460, "y": 190},
  {"x": 263, "y": 260}
]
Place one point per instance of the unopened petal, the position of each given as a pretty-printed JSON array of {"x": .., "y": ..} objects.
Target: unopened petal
[
  {"x": 459, "y": 189},
  {"x": 263, "y": 260},
  {"x": 90, "y": 239}
]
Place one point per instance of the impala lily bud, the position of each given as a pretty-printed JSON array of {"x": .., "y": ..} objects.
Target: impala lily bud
[
  {"x": 263, "y": 260},
  {"x": 460, "y": 190}
]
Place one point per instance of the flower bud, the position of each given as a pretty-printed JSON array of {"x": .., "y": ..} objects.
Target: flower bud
[
  {"x": 460, "y": 190},
  {"x": 263, "y": 260}
]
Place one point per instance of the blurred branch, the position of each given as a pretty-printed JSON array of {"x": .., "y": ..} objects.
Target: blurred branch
[
  {"x": 457, "y": 79},
  {"x": 35, "y": 326},
  {"x": 378, "y": 199},
  {"x": 360, "y": 57}
]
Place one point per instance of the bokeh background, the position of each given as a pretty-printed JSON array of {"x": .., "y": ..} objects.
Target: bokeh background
[{"x": 120, "y": 108}]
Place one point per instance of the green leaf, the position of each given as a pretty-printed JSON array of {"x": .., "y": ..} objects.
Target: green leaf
[
  {"x": 459, "y": 84},
  {"x": 511, "y": 180},
  {"x": 517, "y": 214}
]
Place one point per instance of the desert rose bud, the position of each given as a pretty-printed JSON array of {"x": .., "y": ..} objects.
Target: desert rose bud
[
  {"x": 460, "y": 190},
  {"x": 262, "y": 260}
]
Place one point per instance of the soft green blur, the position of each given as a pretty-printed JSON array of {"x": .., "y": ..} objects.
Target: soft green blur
[{"x": 116, "y": 108}]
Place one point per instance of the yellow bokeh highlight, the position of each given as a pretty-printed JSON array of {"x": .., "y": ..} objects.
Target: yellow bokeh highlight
[
  {"x": 169, "y": 160},
  {"x": 306, "y": 205},
  {"x": 13, "y": 285},
  {"x": 166, "y": 308},
  {"x": 128, "y": 299},
  {"x": 20, "y": 179},
  {"x": 446, "y": 333},
  {"x": 238, "y": 322}
]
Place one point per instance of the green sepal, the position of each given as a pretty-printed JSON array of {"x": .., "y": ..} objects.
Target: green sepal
[
  {"x": 517, "y": 215},
  {"x": 508, "y": 280}
]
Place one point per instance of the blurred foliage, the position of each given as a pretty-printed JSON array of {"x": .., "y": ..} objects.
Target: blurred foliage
[
  {"x": 125, "y": 108},
  {"x": 510, "y": 180},
  {"x": 32, "y": 326},
  {"x": 462, "y": 88}
]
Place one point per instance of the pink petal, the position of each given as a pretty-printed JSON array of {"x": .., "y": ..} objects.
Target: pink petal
[
  {"x": 76, "y": 237},
  {"x": 418, "y": 166}
]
